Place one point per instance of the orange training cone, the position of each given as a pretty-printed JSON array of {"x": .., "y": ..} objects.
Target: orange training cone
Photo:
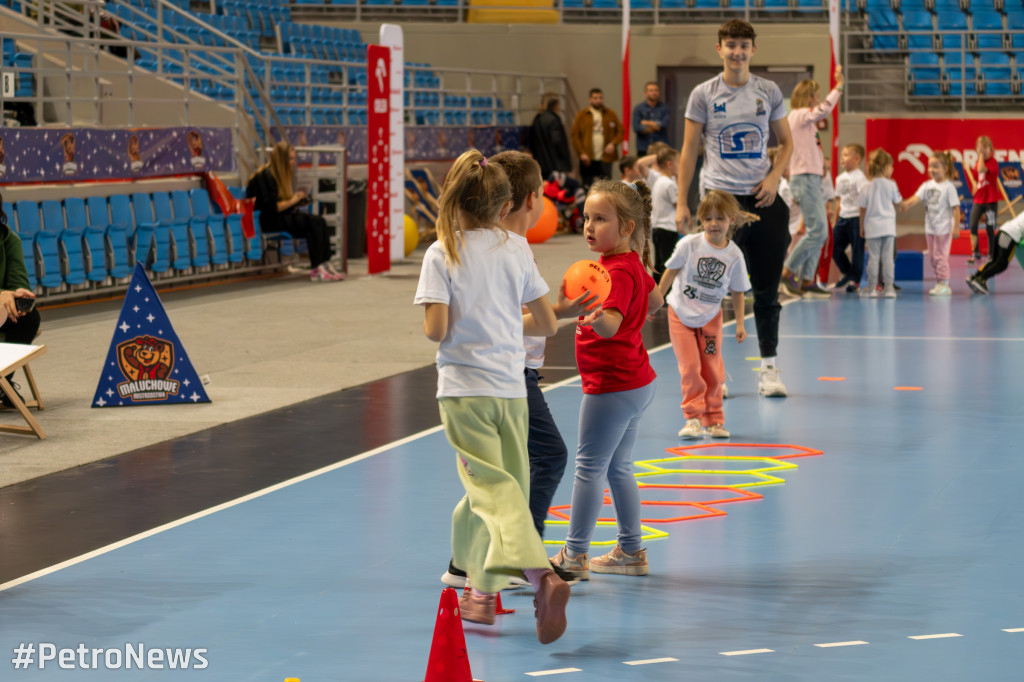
[
  {"x": 499, "y": 610},
  {"x": 448, "y": 661}
]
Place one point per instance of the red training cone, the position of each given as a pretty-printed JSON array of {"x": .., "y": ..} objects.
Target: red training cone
[
  {"x": 448, "y": 661},
  {"x": 499, "y": 610}
]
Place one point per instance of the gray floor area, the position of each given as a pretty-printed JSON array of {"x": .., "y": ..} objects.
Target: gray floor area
[{"x": 264, "y": 344}]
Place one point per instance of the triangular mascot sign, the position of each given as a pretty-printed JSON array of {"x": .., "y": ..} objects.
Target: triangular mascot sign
[{"x": 146, "y": 364}]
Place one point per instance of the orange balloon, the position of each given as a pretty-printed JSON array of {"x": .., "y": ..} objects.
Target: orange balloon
[
  {"x": 587, "y": 275},
  {"x": 546, "y": 225}
]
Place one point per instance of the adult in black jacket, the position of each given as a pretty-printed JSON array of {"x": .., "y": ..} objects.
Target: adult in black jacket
[
  {"x": 548, "y": 142},
  {"x": 278, "y": 204},
  {"x": 18, "y": 326}
]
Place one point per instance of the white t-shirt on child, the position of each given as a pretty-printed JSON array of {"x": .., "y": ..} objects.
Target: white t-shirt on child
[
  {"x": 939, "y": 201},
  {"x": 664, "y": 195},
  {"x": 482, "y": 354},
  {"x": 879, "y": 200},
  {"x": 706, "y": 275},
  {"x": 849, "y": 186},
  {"x": 1014, "y": 228}
]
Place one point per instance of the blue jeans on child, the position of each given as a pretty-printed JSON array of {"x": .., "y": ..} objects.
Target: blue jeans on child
[
  {"x": 546, "y": 449},
  {"x": 608, "y": 430},
  {"x": 803, "y": 259}
]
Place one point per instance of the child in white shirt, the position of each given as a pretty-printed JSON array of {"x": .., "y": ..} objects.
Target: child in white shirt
[
  {"x": 850, "y": 184},
  {"x": 704, "y": 267},
  {"x": 878, "y": 223},
  {"x": 942, "y": 217}
]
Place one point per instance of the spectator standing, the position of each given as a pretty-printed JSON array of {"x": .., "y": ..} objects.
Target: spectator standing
[
  {"x": 595, "y": 137},
  {"x": 650, "y": 119}
]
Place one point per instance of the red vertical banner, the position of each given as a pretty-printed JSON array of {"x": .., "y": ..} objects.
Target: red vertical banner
[{"x": 378, "y": 148}]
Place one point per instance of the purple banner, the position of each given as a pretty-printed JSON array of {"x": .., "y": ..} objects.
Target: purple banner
[
  {"x": 435, "y": 143},
  {"x": 49, "y": 154}
]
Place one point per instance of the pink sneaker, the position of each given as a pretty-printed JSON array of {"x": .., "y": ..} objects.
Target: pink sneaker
[{"x": 321, "y": 274}]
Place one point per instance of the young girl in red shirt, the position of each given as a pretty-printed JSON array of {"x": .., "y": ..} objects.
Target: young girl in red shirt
[
  {"x": 986, "y": 196},
  {"x": 618, "y": 381}
]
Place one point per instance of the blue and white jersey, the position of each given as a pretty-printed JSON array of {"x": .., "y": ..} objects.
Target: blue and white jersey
[{"x": 736, "y": 128}]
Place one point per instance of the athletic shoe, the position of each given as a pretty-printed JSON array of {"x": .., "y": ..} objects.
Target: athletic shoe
[
  {"x": 725, "y": 391},
  {"x": 477, "y": 608},
  {"x": 692, "y": 429},
  {"x": 843, "y": 281},
  {"x": 620, "y": 563},
  {"x": 717, "y": 431},
  {"x": 769, "y": 384},
  {"x": 456, "y": 577},
  {"x": 321, "y": 274},
  {"x": 5, "y": 400},
  {"x": 934, "y": 291},
  {"x": 973, "y": 258},
  {"x": 889, "y": 293},
  {"x": 941, "y": 289},
  {"x": 977, "y": 285},
  {"x": 549, "y": 608},
  {"x": 897, "y": 287},
  {"x": 868, "y": 293},
  {"x": 946, "y": 290},
  {"x": 329, "y": 266},
  {"x": 791, "y": 287},
  {"x": 852, "y": 287},
  {"x": 565, "y": 575},
  {"x": 578, "y": 566},
  {"x": 815, "y": 292}
]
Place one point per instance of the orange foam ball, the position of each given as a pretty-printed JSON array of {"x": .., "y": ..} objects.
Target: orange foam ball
[
  {"x": 587, "y": 275},
  {"x": 546, "y": 224}
]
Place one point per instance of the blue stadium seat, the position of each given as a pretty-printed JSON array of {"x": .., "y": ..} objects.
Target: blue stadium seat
[
  {"x": 1015, "y": 20},
  {"x": 883, "y": 20},
  {"x": 959, "y": 78},
  {"x": 204, "y": 224},
  {"x": 811, "y": 6},
  {"x": 921, "y": 24},
  {"x": 987, "y": 21},
  {"x": 69, "y": 242},
  {"x": 42, "y": 254},
  {"x": 996, "y": 73},
  {"x": 29, "y": 257},
  {"x": 92, "y": 239},
  {"x": 925, "y": 74},
  {"x": 180, "y": 242},
  {"x": 152, "y": 240},
  {"x": 115, "y": 224},
  {"x": 953, "y": 21}
]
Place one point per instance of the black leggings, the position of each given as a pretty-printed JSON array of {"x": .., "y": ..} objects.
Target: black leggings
[
  {"x": 664, "y": 244},
  {"x": 764, "y": 244},
  {"x": 989, "y": 211},
  {"x": 312, "y": 228},
  {"x": 999, "y": 259}
]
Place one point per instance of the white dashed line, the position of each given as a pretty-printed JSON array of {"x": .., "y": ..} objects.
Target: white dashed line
[
  {"x": 746, "y": 652},
  {"x": 942, "y": 636},
  {"x": 542, "y": 673},
  {"x": 650, "y": 660},
  {"x": 832, "y": 644},
  {"x": 1013, "y": 629}
]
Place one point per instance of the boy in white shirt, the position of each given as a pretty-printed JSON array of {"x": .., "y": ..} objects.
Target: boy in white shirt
[
  {"x": 849, "y": 186},
  {"x": 664, "y": 195}
]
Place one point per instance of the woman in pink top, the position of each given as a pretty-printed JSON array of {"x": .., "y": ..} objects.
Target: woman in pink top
[{"x": 805, "y": 171}]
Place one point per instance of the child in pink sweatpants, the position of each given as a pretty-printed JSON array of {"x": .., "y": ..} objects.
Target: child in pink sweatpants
[{"x": 942, "y": 216}]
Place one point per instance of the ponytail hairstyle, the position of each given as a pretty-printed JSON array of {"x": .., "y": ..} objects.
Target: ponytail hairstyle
[
  {"x": 475, "y": 195},
  {"x": 632, "y": 202},
  {"x": 878, "y": 160},
  {"x": 946, "y": 160},
  {"x": 726, "y": 204}
]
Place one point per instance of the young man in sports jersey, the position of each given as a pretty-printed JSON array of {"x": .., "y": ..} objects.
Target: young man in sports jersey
[{"x": 731, "y": 114}]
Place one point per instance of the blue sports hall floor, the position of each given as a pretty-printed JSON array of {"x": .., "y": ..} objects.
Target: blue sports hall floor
[{"x": 894, "y": 554}]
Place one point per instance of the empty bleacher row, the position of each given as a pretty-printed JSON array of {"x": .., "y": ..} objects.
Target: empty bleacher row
[
  {"x": 95, "y": 242},
  {"x": 954, "y": 48}
]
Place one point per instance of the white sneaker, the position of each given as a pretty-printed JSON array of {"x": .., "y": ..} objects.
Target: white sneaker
[
  {"x": 693, "y": 429},
  {"x": 725, "y": 391},
  {"x": 868, "y": 293},
  {"x": 889, "y": 293},
  {"x": 935, "y": 290},
  {"x": 942, "y": 290},
  {"x": 717, "y": 431},
  {"x": 769, "y": 384}
]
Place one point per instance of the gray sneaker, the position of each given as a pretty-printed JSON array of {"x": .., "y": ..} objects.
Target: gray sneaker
[
  {"x": 769, "y": 384},
  {"x": 791, "y": 288},
  {"x": 816, "y": 292}
]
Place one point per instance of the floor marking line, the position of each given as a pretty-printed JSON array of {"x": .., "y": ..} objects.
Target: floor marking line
[
  {"x": 832, "y": 644},
  {"x": 940, "y": 636},
  {"x": 746, "y": 652},
  {"x": 1013, "y": 629},
  {"x": 650, "y": 660},
  {"x": 900, "y": 338},
  {"x": 542, "y": 673}
]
